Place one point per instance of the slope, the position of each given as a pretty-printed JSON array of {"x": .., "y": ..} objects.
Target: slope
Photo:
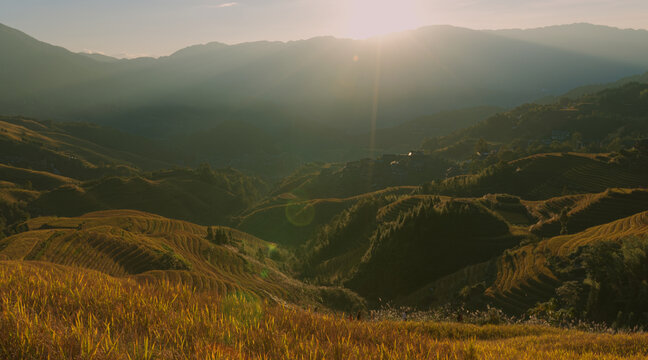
[
  {"x": 611, "y": 119},
  {"x": 527, "y": 275},
  {"x": 77, "y": 150},
  {"x": 202, "y": 195},
  {"x": 587, "y": 210},
  {"x": 150, "y": 248},
  {"x": 386, "y": 247},
  {"x": 544, "y": 176},
  {"x": 290, "y": 220}
]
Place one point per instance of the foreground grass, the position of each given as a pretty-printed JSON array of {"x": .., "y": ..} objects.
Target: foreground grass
[{"x": 49, "y": 311}]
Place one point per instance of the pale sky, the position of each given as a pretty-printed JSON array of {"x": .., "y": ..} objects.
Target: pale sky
[{"x": 129, "y": 28}]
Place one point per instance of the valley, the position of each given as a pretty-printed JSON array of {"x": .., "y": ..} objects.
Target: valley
[{"x": 270, "y": 200}]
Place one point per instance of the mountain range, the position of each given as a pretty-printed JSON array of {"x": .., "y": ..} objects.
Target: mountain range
[{"x": 338, "y": 83}]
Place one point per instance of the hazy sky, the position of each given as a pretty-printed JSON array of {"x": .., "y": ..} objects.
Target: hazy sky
[{"x": 128, "y": 28}]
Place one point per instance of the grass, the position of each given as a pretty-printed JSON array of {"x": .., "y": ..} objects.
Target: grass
[{"x": 50, "y": 311}]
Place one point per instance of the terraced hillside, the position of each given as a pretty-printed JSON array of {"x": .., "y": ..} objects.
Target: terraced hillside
[
  {"x": 388, "y": 248},
  {"x": 549, "y": 175},
  {"x": 202, "y": 195},
  {"x": 588, "y": 210},
  {"x": 610, "y": 119},
  {"x": 33, "y": 179},
  {"x": 290, "y": 220},
  {"x": 11, "y": 194},
  {"x": 151, "y": 248},
  {"x": 525, "y": 276},
  {"x": 75, "y": 150},
  {"x": 432, "y": 240}
]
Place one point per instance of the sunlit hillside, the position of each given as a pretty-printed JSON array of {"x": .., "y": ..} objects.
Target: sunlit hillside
[
  {"x": 52, "y": 311},
  {"x": 149, "y": 248},
  {"x": 531, "y": 273}
]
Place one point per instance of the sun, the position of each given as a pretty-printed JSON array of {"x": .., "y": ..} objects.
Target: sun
[{"x": 367, "y": 18}]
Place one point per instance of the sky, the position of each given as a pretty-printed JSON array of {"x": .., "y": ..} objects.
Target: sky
[{"x": 131, "y": 28}]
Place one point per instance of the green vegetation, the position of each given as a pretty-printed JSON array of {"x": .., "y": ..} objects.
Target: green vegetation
[
  {"x": 431, "y": 240},
  {"x": 606, "y": 283}
]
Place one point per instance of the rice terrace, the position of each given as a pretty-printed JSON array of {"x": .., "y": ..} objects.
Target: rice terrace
[{"x": 323, "y": 179}]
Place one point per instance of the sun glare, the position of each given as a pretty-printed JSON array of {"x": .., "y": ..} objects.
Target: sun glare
[{"x": 367, "y": 18}]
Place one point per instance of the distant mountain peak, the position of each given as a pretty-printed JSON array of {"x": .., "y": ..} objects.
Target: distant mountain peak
[{"x": 199, "y": 49}]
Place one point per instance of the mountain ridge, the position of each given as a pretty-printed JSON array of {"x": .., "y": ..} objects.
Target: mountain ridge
[{"x": 316, "y": 80}]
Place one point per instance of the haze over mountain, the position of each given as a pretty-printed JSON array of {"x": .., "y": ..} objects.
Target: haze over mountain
[
  {"x": 217, "y": 202},
  {"x": 332, "y": 81},
  {"x": 596, "y": 40}
]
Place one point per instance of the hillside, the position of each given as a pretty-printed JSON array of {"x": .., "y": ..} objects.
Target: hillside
[
  {"x": 77, "y": 150},
  {"x": 543, "y": 176},
  {"x": 290, "y": 220},
  {"x": 593, "y": 89},
  {"x": 200, "y": 195},
  {"x": 366, "y": 175},
  {"x": 386, "y": 247},
  {"x": 32, "y": 66},
  {"x": 588, "y": 210},
  {"x": 81, "y": 167},
  {"x": 611, "y": 119},
  {"x": 33, "y": 179},
  {"x": 410, "y": 135},
  {"x": 533, "y": 272},
  {"x": 394, "y": 245},
  {"x": 152, "y": 249},
  {"x": 64, "y": 312}
]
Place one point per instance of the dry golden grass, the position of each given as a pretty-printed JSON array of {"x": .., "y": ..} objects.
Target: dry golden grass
[{"x": 56, "y": 312}]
